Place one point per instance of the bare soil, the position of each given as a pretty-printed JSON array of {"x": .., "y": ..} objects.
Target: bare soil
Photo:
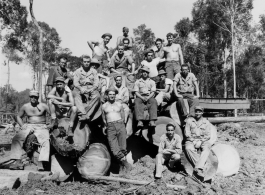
[{"x": 248, "y": 139}]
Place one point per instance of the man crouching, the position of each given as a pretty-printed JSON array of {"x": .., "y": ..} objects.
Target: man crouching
[
  {"x": 36, "y": 113},
  {"x": 61, "y": 104},
  {"x": 113, "y": 117},
  {"x": 169, "y": 150}
]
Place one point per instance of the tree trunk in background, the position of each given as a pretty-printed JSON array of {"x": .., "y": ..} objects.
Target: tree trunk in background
[{"x": 40, "y": 49}]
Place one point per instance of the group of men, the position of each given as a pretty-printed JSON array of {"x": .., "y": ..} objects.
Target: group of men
[{"x": 164, "y": 78}]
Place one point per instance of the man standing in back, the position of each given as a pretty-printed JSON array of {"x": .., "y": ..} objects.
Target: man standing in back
[
  {"x": 174, "y": 57},
  {"x": 125, "y": 35}
]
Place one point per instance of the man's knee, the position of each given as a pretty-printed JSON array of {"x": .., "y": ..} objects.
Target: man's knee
[
  {"x": 152, "y": 101},
  {"x": 189, "y": 147},
  {"x": 73, "y": 109},
  {"x": 206, "y": 146},
  {"x": 159, "y": 156},
  {"x": 175, "y": 157}
]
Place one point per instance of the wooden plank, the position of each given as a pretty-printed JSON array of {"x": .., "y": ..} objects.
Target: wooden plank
[
  {"x": 224, "y": 104},
  {"x": 217, "y": 120}
]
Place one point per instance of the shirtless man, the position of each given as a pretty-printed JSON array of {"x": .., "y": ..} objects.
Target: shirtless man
[
  {"x": 61, "y": 103},
  {"x": 174, "y": 57},
  {"x": 99, "y": 50},
  {"x": 36, "y": 113},
  {"x": 113, "y": 117},
  {"x": 160, "y": 53},
  {"x": 127, "y": 51},
  {"x": 125, "y": 35}
]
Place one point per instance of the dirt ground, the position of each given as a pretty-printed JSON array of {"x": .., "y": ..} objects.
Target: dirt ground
[{"x": 248, "y": 138}]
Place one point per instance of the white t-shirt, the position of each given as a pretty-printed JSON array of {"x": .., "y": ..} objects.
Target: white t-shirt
[{"x": 152, "y": 66}]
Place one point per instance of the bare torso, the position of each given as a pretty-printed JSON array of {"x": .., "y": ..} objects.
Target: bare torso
[
  {"x": 112, "y": 111},
  {"x": 172, "y": 52},
  {"x": 64, "y": 95},
  {"x": 99, "y": 51},
  {"x": 120, "y": 38},
  {"x": 36, "y": 114}
]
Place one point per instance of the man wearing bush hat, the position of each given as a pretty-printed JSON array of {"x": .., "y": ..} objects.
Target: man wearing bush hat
[
  {"x": 145, "y": 90},
  {"x": 36, "y": 123},
  {"x": 198, "y": 133}
]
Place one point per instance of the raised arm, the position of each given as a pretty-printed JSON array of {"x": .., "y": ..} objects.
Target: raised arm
[
  {"x": 180, "y": 55},
  {"x": 91, "y": 47}
]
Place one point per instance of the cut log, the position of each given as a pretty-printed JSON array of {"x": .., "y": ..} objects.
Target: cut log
[
  {"x": 130, "y": 181},
  {"x": 63, "y": 165},
  {"x": 218, "y": 120}
]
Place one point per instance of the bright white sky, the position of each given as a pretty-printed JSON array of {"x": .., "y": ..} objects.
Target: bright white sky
[{"x": 77, "y": 21}]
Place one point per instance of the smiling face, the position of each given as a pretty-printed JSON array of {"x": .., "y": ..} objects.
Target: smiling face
[
  {"x": 170, "y": 39},
  {"x": 145, "y": 74},
  {"x": 121, "y": 49},
  {"x": 106, "y": 40},
  {"x": 150, "y": 56},
  {"x": 198, "y": 114},
  {"x": 63, "y": 62},
  {"x": 33, "y": 99}
]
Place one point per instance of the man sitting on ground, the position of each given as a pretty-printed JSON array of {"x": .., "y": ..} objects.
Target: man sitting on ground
[
  {"x": 144, "y": 90},
  {"x": 122, "y": 96},
  {"x": 61, "y": 104},
  {"x": 198, "y": 133},
  {"x": 87, "y": 97},
  {"x": 113, "y": 117},
  {"x": 36, "y": 113},
  {"x": 184, "y": 83},
  {"x": 169, "y": 150},
  {"x": 165, "y": 87}
]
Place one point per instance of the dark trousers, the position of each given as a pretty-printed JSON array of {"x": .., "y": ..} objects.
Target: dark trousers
[
  {"x": 192, "y": 104},
  {"x": 140, "y": 106},
  {"x": 116, "y": 134},
  {"x": 172, "y": 68}
]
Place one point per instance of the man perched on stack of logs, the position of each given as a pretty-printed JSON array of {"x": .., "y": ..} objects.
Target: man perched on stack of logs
[
  {"x": 125, "y": 36},
  {"x": 113, "y": 117},
  {"x": 61, "y": 104},
  {"x": 145, "y": 90},
  {"x": 36, "y": 113},
  {"x": 87, "y": 97},
  {"x": 169, "y": 150},
  {"x": 184, "y": 83},
  {"x": 198, "y": 133}
]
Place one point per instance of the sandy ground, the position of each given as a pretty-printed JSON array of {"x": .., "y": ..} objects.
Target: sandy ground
[{"x": 248, "y": 138}]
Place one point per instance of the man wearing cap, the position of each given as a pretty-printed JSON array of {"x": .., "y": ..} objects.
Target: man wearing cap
[
  {"x": 198, "y": 133},
  {"x": 152, "y": 64},
  {"x": 169, "y": 150},
  {"x": 160, "y": 53},
  {"x": 36, "y": 123},
  {"x": 113, "y": 117},
  {"x": 122, "y": 96},
  {"x": 184, "y": 83},
  {"x": 57, "y": 71},
  {"x": 61, "y": 104},
  {"x": 87, "y": 97},
  {"x": 144, "y": 90},
  {"x": 125, "y": 35},
  {"x": 165, "y": 87},
  {"x": 100, "y": 50},
  {"x": 174, "y": 57}
]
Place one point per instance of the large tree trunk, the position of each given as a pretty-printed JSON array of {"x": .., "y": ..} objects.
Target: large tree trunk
[{"x": 40, "y": 48}]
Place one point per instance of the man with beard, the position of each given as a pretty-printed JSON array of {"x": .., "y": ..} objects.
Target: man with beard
[
  {"x": 113, "y": 117},
  {"x": 174, "y": 57},
  {"x": 160, "y": 53},
  {"x": 61, "y": 104},
  {"x": 57, "y": 71},
  {"x": 198, "y": 133},
  {"x": 87, "y": 97},
  {"x": 100, "y": 50},
  {"x": 169, "y": 149},
  {"x": 36, "y": 123},
  {"x": 183, "y": 86},
  {"x": 165, "y": 87},
  {"x": 144, "y": 90},
  {"x": 125, "y": 35}
]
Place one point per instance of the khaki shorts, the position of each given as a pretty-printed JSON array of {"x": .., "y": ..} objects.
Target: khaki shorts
[{"x": 62, "y": 112}]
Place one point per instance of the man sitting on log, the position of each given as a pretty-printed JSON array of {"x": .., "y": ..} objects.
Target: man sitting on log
[
  {"x": 184, "y": 83},
  {"x": 113, "y": 117},
  {"x": 169, "y": 150},
  {"x": 61, "y": 104},
  {"x": 144, "y": 90},
  {"x": 198, "y": 133},
  {"x": 122, "y": 96},
  {"x": 87, "y": 97},
  {"x": 36, "y": 113},
  {"x": 165, "y": 88}
]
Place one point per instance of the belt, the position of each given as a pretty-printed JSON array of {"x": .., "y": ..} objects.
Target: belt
[
  {"x": 185, "y": 92},
  {"x": 113, "y": 122}
]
